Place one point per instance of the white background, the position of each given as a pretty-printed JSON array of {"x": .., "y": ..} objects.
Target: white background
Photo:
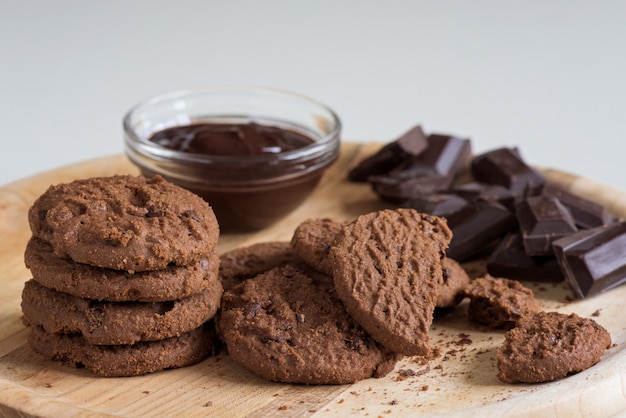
[{"x": 546, "y": 76}]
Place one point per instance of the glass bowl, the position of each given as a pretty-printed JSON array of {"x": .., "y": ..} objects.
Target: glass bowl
[{"x": 246, "y": 192}]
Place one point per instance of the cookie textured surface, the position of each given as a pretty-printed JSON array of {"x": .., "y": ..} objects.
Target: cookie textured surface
[
  {"x": 312, "y": 240},
  {"x": 125, "y": 360},
  {"x": 245, "y": 262},
  {"x": 499, "y": 302},
  {"x": 546, "y": 346},
  {"x": 387, "y": 269},
  {"x": 85, "y": 281},
  {"x": 108, "y": 323},
  {"x": 125, "y": 222},
  {"x": 288, "y": 325}
]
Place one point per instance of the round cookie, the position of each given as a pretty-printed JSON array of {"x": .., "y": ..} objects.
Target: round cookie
[
  {"x": 546, "y": 346},
  {"x": 498, "y": 302},
  {"x": 125, "y": 222},
  {"x": 125, "y": 360},
  {"x": 85, "y": 281},
  {"x": 388, "y": 272},
  {"x": 245, "y": 262},
  {"x": 288, "y": 325},
  {"x": 113, "y": 323},
  {"x": 312, "y": 240},
  {"x": 455, "y": 278}
]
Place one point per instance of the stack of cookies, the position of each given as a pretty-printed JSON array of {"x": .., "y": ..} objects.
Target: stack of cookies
[{"x": 125, "y": 275}]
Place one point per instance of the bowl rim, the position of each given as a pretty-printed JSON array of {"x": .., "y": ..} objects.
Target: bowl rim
[{"x": 152, "y": 150}]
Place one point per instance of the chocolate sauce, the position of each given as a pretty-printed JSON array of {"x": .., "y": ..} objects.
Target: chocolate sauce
[
  {"x": 245, "y": 193},
  {"x": 230, "y": 139}
]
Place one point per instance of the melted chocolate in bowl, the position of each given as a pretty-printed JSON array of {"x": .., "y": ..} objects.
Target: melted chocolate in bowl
[
  {"x": 239, "y": 200},
  {"x": 254, "y": 154},
  {"x": 230, "y": 139}
]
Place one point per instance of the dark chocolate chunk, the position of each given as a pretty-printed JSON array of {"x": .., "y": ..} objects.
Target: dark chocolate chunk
[
  {"x": 411, "y": 143},
  {"x": 510, "y": 260},
  {"x": 593, "y": 260},
  {"x": 474, "y": 190},
  {"x": 476, "y": 226},
  {"x": 504, "y": 166},
  {"x": 543, "y": 219},
  {"x": 445, "y": 156},
  {"x": 438, "y": 204},
  {"x": 587, "y": 214},
  {"x": 390, "y": 187}
]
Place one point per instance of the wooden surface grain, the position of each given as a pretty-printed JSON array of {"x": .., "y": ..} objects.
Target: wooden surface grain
[{"x": 459, "y": 381}]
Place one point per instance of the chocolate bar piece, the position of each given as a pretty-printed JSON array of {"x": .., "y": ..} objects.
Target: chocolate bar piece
[
  {"x": 586, "y": 214},
  {"x": 510, "y": 260},
  {"x": 593, "y": 260},
  {"x": 504, "y": 166},
  {"x": 411, "y": 143},
  {"x": 438, "y": 204},
  {"x": 475, "y": 190},
  {"x": 445, "y": 156},
  {"x": 543, "y": 219},
  {"x": 476, "y": 226},
  {"x": 390, "y": 187}
]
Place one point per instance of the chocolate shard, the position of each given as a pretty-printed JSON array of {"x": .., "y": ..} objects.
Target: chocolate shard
[
  {"x": 542, "y": 220},
  {"x": 476, "y": 226},
  {"x": 438, "y": 204},
  {"x": 510, "y": 260},
  {"x": 391, "y": 188},
  {"x": 445, "y": 156},
  {"x": 592, "y": 260},
  {"x": 411, "y": 143},
  {"x": 474, "y": 190},
  {"x": 586, "y": 214},
  {"x": 505, "y": 166}
]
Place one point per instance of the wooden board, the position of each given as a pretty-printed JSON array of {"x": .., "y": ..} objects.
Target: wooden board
[{"x": 461, "y": 381}]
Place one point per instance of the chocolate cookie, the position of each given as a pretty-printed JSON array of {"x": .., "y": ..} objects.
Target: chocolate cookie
[
  {"x": 388, "y": 272},
  {"x": 499, "y": 302},
  {"x": 245, "y": 262},
  {"x": 546, "y": 346},
  {"x": 125, "y": 222},
  {"x": 125, "y": 360},
  {"x": 455, "y": 278},
  {"x": 112, "y": 323},
  {"x": 85, "y": 281},
  {"x": 312, "y": 240},
  {"x": 288, "y": 325}
]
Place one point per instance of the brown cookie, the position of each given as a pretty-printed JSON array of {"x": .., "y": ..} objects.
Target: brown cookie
[
  {"x": 388, "y": 272},
  {"x": 546, "y": 346},
  {"x": 85, "y": 281},
  {"x": 125, "y": 360},
  {"x": 125, "y": 223},
  {"x": 455, "y": 278},
  {"x": 312, "y": 240},
  {"x": 499, "y": 302},
  {"x": 245, "y": 262},
  {"x": 109, "y": 323},
  {"x": 288, "y": 325}
]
